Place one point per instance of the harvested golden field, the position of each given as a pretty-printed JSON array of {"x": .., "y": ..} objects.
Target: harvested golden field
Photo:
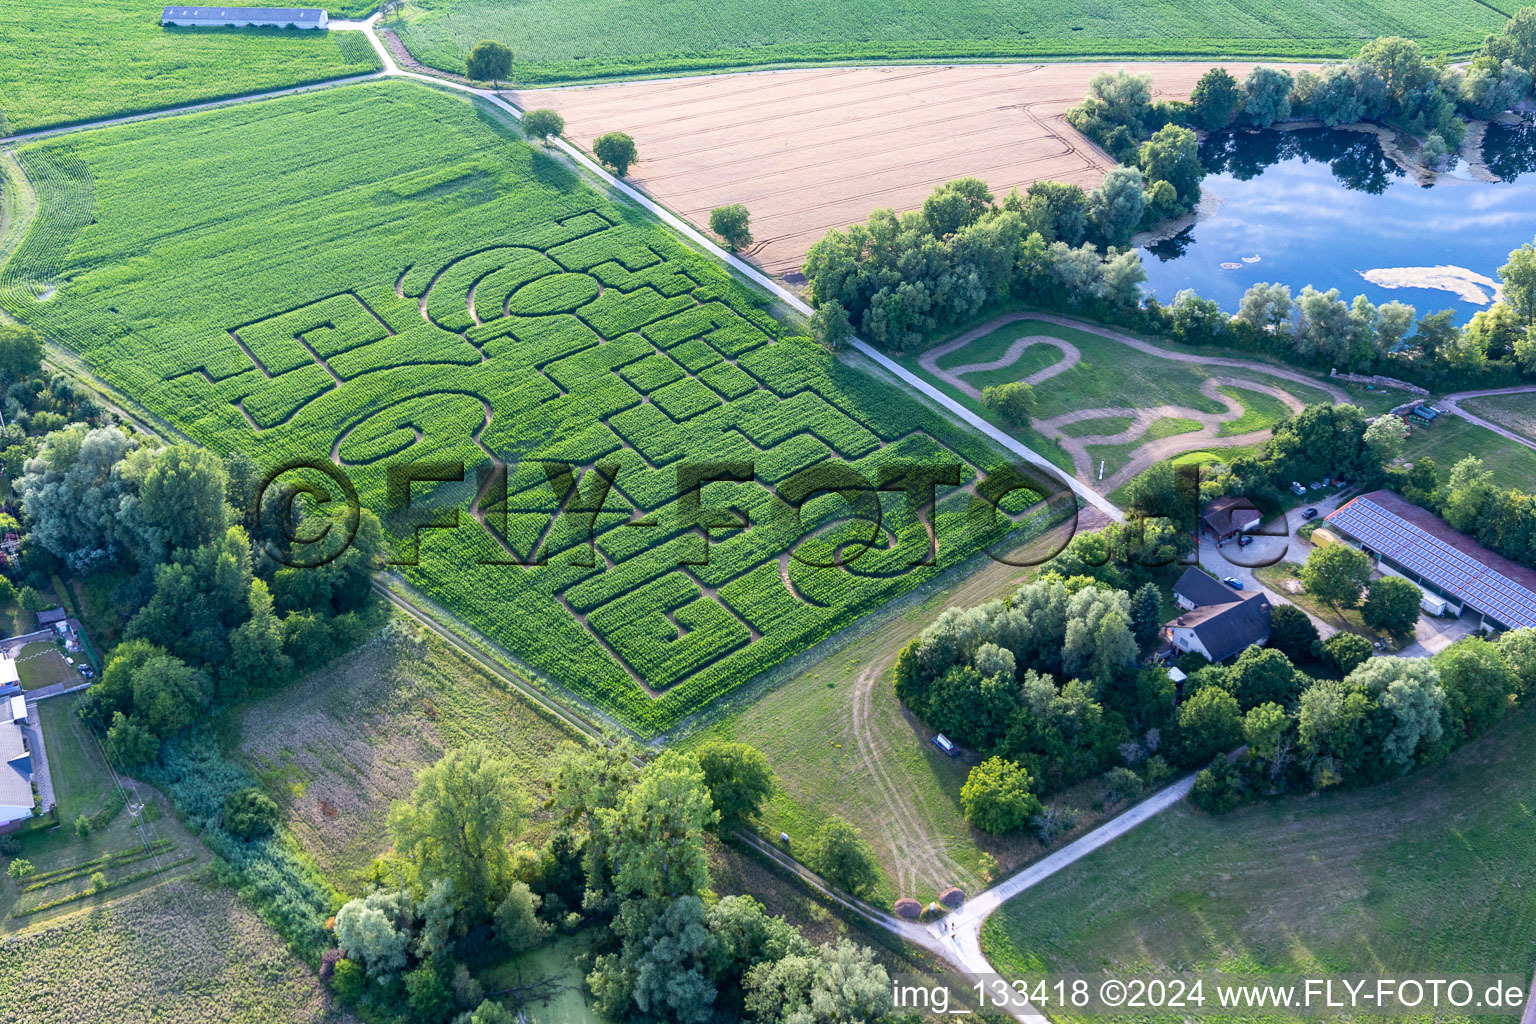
[{"x": 810, "y": 150}]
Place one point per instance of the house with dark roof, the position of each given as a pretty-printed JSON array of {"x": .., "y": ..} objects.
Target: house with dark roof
[
  {"x": 245, "y": 17},
  {"x": 1418, "y": 545},
  {"x": 1224, "y": 518},
  {"x": 1217, "y": 622}
]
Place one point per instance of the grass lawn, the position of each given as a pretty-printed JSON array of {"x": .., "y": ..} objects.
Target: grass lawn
[
  {"x": 1284, "y": 578},
  {"x": 1513, "y": 412},
  {"x": 82, "y": 782},
  {"x": 602, "y": 38},
  {"x": 1260, "y": 411},
  {"x": 840, "y": 743},
  {"x": 40, "y": 664},
  {"x": 1428, "y": 873},
  {"x": 186, "y": 952},
  {"x": 1109, "y": 376},
  {"x": 1452, "y": 439},
  {"x": 1097, "y": 427},
  {"x": 340, "y": 745},
  {"x": 132, "y": 826},
  {"x": 67, "y": 61}
]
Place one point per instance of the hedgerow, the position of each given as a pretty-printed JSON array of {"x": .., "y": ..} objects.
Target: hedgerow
[{"x": 334, "y": 283}]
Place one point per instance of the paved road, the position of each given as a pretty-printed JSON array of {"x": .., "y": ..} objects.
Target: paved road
[
  {"x": 968, "y": 959},
  {"x": 1451, "y": 403},
  {"x": 961, "y": 930}
]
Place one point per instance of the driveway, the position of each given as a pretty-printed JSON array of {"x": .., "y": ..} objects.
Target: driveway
[
  {"x": 41, "y": 776},
  {"x": 1286, "y": 546},
  {"x": 1433, "y": 635}
]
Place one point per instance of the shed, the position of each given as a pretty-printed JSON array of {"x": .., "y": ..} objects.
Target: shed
[
  {"x": 245, "y": 17},
  {"x": 49, "y": 616},
  {"x": 18, "y": 708}
]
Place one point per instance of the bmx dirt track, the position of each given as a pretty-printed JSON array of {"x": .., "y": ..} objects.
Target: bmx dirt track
[{"x": 810, "y": 150}]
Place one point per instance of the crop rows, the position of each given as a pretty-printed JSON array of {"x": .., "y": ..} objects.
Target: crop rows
[
  {"x": 384, "y": 276},
  {"x": 564, "y": 40},
  {"x": 69, "y": 61}
]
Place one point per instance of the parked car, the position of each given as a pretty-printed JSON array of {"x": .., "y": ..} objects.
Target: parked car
[
  {"x": 1310, "y": 513},
  {"x": 1244, "y": 541},
  {"x": 1297, "y": 489},
  {"x": 1233, "y": 582},
  {"x": 1316, "y": 485}
]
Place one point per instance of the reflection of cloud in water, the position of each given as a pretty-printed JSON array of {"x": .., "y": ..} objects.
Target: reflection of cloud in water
[
  {"x": 1314, "y": 225},
  {"x": 1468, "y": 285}
]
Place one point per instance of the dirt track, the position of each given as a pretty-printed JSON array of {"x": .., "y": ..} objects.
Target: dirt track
[{"x": 815, "y": 149}]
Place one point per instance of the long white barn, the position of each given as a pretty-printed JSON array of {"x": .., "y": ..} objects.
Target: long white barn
[{"x": 246, "y": 17}]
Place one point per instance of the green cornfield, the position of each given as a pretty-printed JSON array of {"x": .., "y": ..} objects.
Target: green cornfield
[
  {"x": 566, "y": 40},
  {"x": 385, "y": 272},
  {"x": 67, "y": 61}
]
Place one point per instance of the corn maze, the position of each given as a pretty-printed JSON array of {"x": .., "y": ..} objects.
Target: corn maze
[{"x": 634, "y": 516}]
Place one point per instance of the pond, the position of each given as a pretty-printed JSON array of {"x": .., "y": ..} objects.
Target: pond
[{"x": 1326, "y": 207}]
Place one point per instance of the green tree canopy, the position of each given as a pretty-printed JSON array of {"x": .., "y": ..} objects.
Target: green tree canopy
[
  {"x": 543, "y": 124},
  {"x": 1210, "y": 723},
  {"x": 997, "y": 798},
  {"x": 489, "y": 61},
  {"x": 1216, "y": 99},
  {"x": 840, "y": 854},
  {"x": 617, "y": 150},
  {"x": 738, "y": 779},
  {"x": 658, "y": 830},
  {"x": 1336, "y": 573},
  {"x": 732, "y": 224},
  {"x": 1392, "y": 605},
  {"x": 456, "y": 825}
]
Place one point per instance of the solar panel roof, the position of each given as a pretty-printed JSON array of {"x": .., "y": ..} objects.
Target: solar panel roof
[
  {"x": 1485, "y": 588},
  {"x": 291, "y": 13}
]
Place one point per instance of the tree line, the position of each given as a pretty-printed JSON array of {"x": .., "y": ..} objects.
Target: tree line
[
  {"x": 904, "y": 280},
  {"x": 626, "y": 863}
]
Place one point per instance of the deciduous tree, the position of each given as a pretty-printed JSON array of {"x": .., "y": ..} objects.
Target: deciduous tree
[
  {"x": 997, "y": 798},
  {"x": 732, "y": 224},
  {"x": 489, "y": 61},
  {"x": 842, "y": 856},
  {"x": 456, "y": 825},
  {"x": 1392, "y": 605},
  {"x": 1336, "y": 573},
  {"x": 543, "y": 124},
  {"x": 617, "y": 150}
]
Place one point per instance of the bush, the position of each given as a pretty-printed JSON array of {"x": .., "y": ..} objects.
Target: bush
[
  {"x": 1218, "y": 788},
  {"x": 98, "y": 881},
  {"x": 1121, "y": 785},
  {"x": 20, "y": 868},
  {"x": 348, "y": 980},
  {"x": 1053, "y": 822}
]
